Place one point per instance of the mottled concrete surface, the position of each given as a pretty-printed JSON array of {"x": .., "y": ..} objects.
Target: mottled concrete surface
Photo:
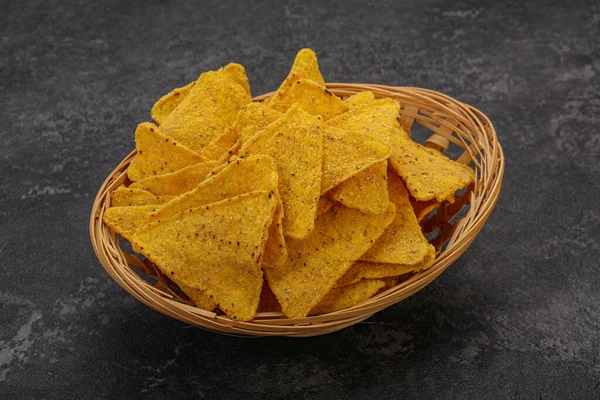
[{"x": 518, "y": 316}]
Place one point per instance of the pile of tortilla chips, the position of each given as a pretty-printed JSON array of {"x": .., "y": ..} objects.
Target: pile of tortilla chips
[{"x": 305, "y": 203}]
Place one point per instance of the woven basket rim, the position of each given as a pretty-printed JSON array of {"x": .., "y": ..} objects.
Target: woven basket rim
[{"x": 431, "y": 106}]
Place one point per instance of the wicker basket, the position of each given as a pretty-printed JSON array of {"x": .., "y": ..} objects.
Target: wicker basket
[{"x": 451, "y": 229}]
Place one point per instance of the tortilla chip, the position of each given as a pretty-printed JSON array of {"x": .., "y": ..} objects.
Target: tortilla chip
[
  {"x": 307, "y": 60},
  {"x": 347, "y": 296},
  {"x": 241, "y": 176},
  {"x": 237, "y": 73},
  {"x": 398, "y": 130},
  {"x": 368, "y": 270},
  {"x": 427, "y": 173},
  {"x": 347, "y": 153},
  {"x": 215, "y": 248},
  {"x": 158, "y": 154},
  {"x": 254, "y": 117},
  {"x": 423, "y": 208},
  {"x": 295, "y": 142},
  {"x": 375, "y": 119},
  {"x": 177, "y": 182},
  {"x": 360, "y": 99},
  {"x": 219, "y": 145},
  {"x": 268, "y": 301},
  {"x": 127, "y": 221},
  {"x": 126, "y": 196},
  {"x": 403, "y": 242},
  {"x": 325, "y": 203},
  {"x": 315, "y": 264},
  {"x": 210, "y": 108},
  {"x": 366, "y": 191},
  {"x": 312, "y": 97},
  {"x": 200, "y": 299},
  {"x": 163, "y": 107},
  {"x": 390, "y": 282}
]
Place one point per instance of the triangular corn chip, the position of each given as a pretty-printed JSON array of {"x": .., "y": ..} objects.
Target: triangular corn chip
[
  {"x": 314, "y": 265},
  {"x": 158, "y": 154},
  {"x": 241, "y": 176},
  {"x": 295, "y": 142},
  {"x": 366, "y": 191},
  {"x": 200, "y": 299},
  {"x": 126, "y": 221},
  {"x": 126, "y": 196},
  {"x": 209, "y": 109},
  {"x": 427, "y": 173},
  {"x": 375, "y": 119},
  {"x": 368, "y": 270},
  {"x": 177, "y": 182},
  {"x": 219, "y": 145},
  {"x": 254, "y": 117},
  {"x": 403, "y": 242},
  {"x": 423, "y": 208},
  {"x": 215, "y": 248},
  {"x": 360, "y": 99},
  {"x": 312, "y": 97},
  {"x": 347, "y": 296},
  {"x": 325, "y": 203},
  {"x": 237, "y": 73},
  {"x": 347, "y": 153},
  {"x": 307, "y": 60},
  {"x": 163, "y": 107}
]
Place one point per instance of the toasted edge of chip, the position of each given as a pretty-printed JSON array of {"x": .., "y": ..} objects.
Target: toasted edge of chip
[
  {"x": 127, "y": 196},
  {"x": 178, "y": 182},
  {"x": 163, "y": 107},
  {"x": 348, "y": 296}
]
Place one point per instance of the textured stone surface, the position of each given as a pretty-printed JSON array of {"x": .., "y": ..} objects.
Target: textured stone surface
[{"x": 518, "y": 316}]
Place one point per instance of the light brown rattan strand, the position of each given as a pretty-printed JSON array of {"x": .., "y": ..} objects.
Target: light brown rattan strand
[{"x": 454, "y": 122}]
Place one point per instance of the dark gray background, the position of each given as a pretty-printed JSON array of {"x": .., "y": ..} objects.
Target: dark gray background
[{"x": 517, "y": 316}]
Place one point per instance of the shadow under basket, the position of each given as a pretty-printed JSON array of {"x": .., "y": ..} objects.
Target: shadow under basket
[{"x": 452, "y": 127}]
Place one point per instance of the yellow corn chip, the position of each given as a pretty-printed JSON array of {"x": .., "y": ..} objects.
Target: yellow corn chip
[
  {"x": 200, "y": 299},
  {"x": 307, "y": 60},
  {"x": 221, "y": 144},
  {"x": 158, "y": 154},
  {"x": 347, "y": 153},
  {"x": 312, "y": 97},
  {"x": 360, "y": 99},
  {"x": 403, "y": 242},
  {"x": 315, "y": 264},
  {"x": 375, "y": 119},
  {"x": 215, "y": 248},
  {"x": 210, "y": 108},
  {"x": 398, "y": 130},
  {"x": 177, "y": 182},
  {"x": 366, "y": 191},
  {"x": 254, "y": 117},
  {"x": 268, "y": 301},
  {"x": 237, "y": 73},
  {"x": 423, "y": 208},
  {"x": 347, "y": 296},
  {"x": 368, "y": 270},
  {"x": 390, "y": 282},
  {"x": 427, "y": 173},
  {"x": 126, "y": 221},
  {"x": 167, "y": 103},
  {"x": 324, "y": 205},
  {"x": 295, "y": 142},
  {"x": 125, "y": 196},
  {"x": 238, "y": 177}
]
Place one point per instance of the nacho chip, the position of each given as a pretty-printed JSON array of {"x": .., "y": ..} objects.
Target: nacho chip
[
  {"x": 314, "y": 265},
  {"x": 403, "y": 242},
  {"x": 375, "y": 119},
  {"x": 312, "y": 97},
  {"x": 237, "y": 73},
  {"x": 254, "y": 117},
  {"x": 177, "y": 182},
  {"x": 398, "y": 130},
  {"x": 325, "y": 203},
  {"x": 366, "y": 191},
  {"x": 158, "y": 154},
  {"x": 295, "y": 142},
  {"x": 210, "y": 108},
  {"x": 215, "y": 248},
  {"x": 307, "y": 60},
  {"x": 360, "y": 99},
  {"x": 241, "y": 176},
  {"x": 221, "y": 144},
  {"x": 427, "y": 173},
  {"x": 368, "y": 270},
  {"x": 268, "y": 301},
  {"x": 163, "y": 107},
  {"x": 127, "y": 221},
  {"x": 347, "y": 296},
  {"x": 126, "y": 196},
  {"x": 200, "y": 299},
  {"x": 423, "y": 208},
  {"x": 347, "y": 153}
]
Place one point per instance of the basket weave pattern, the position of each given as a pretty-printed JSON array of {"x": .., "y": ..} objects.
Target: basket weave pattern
[{"x": 450, "y": 230}]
